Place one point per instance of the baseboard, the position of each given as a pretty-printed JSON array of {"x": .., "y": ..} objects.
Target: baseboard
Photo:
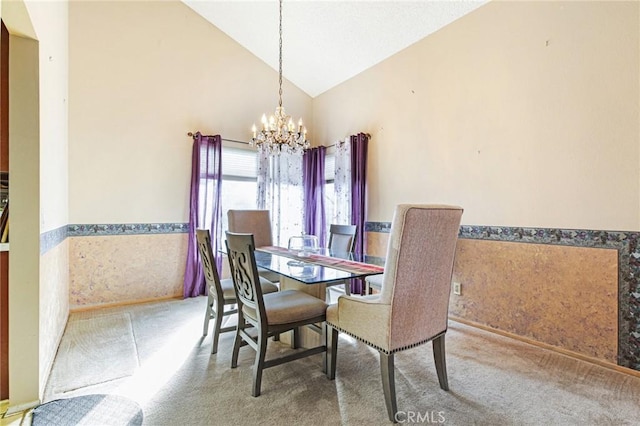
[
  {"x": 118, "y": 304},
  {"x": 47, "y": 373},
  {"x": 16, "y": 409},
  {"x": 576, "y": 355}
]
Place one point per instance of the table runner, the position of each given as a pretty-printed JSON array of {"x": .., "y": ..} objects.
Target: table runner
[{"x": 350, "y": 266}]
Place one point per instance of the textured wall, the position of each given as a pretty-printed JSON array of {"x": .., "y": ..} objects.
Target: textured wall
[
  {"x": 559, "y": 295},
  {"x": 563, "y": 296},
  {"x": 125, "y": 268}
]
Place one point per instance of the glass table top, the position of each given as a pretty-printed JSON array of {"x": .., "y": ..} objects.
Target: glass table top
[{"x": 308, "y": 272}]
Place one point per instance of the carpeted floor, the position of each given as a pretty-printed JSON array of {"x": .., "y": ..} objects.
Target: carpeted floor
[{"x": 493, "y": 380}]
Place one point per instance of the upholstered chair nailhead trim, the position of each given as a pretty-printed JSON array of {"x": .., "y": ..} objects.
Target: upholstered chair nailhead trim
[{"x": 384, "y": 351}]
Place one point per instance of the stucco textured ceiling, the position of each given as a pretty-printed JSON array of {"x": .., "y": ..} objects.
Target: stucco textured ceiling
[{"x": 328, "y": 42}]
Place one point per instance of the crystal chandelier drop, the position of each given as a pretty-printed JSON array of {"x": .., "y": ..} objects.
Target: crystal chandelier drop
[{"x": 279, "y": 132}]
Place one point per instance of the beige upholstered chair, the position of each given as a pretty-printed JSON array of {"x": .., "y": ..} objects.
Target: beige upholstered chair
[
  {"x": 220, "y": 292},
  {"x": 258, "y": 223},
  {"x": 266, "y": 315},
  {"x": 342, "y": 238},
  {"x": 413, "y": 304}
]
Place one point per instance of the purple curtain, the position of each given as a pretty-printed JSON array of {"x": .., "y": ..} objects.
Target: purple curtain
[
  {"x": 359, "y": 147},
  {"x": 315, "y": 222},
  {"x": 204, "y": 208}
]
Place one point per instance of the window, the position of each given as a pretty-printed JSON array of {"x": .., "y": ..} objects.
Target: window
[
  {"x": 329, "y": 190},
  {"x": 239, "y": 180},
  {"x": 240, "y": 189}
]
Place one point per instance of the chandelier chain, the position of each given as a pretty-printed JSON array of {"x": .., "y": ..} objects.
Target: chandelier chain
[{"x": 280, "y": 56}]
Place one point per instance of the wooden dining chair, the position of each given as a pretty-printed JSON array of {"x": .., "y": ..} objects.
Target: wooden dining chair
[
  {"x": 342, "y": 239},
  {"x": 262, "y": 315},
  {"x": 221, "y": 299},
  {"x": 412, "y": 306}
]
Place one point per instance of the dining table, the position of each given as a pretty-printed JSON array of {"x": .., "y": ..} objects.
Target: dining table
[{"x": 312, "y": 271}]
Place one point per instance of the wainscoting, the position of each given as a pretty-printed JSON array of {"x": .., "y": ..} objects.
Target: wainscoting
[
  {"x": 106, "y": 270},
  {"x": 563, "y": 296},
  {"x": 571, "y": 289},
  {"x": 576, "y": 290},
  {"x": 122, "y": 263}
]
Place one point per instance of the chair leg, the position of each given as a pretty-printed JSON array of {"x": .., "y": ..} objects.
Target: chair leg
[
  {"x": 332, "y": 348},
  {"x": 258, "y": 366},
  {"x": 389, "y": 385},
  {"x": 325, "y": 342},
  {"x": 207, "y": 314},
  {"x": 237, "y": 342},
  {"x": 439, "y": 356},
  {"x": 217, "y": 324}
]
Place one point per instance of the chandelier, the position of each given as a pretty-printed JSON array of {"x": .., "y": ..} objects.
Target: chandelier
[{"x": 279, "y": 132}]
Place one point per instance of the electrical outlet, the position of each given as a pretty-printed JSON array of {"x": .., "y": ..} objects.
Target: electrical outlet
[{"x": 457, "y": 288}]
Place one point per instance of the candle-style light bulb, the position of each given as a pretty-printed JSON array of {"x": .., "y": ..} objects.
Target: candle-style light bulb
[
  {"x": 254, "y": 130},
  {"x": 264, "y": 122},
  {"x": 300, "y": 125}
]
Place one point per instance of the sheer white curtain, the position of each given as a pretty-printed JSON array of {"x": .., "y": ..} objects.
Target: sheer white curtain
[
  {"x": 342, "y": 183},
  {"x": 280, "y": 191}
]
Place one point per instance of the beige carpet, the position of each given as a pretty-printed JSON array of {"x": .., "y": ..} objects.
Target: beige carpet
[{"x": 494, "y": 380}]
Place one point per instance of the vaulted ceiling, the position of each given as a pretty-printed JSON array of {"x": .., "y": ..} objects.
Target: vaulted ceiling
[{"x": 328, "y": 42}]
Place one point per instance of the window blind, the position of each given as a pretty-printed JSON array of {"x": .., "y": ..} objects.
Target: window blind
[
  {"x": 239, "y": 163},
  {"x": 329, "y": 167}
]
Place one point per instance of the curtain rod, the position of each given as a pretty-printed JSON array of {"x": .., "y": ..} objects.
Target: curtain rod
[
  {"x": 226, "y": 140},
  {"x": 341, "y": 142},
  {"x": 247, "y": 143}
]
